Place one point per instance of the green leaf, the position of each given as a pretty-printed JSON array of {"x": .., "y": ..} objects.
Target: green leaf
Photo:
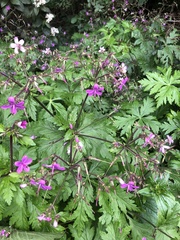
[
  {"x": 163, "y": 85},
  {"x": 31, "y": 107},
  {"x": 27, "y": 141},
  {"x": 140, "y": 230},
  {"x": 7, "y": 188},
  {"x": 30, "y": 235},
  {"x": 4, "y": 3},
  {"x": 114, "y": 232},
  {"x": 16, "y": 2},
  {"x": 140, "y": 113},
  {"x": 81, "y": 215}
]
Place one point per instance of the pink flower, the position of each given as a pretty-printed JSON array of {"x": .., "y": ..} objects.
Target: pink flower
[
  {"x": 18, "y": 45},
  {"x": 41, "y": 184},
  {"x": 123, "y": 82},
  {"x": 13, "y": 105},
  {"x": 23, "y": 164},
  {"x": 8, "y": 8},
  {"x": 96, "y": 90},
  {"x": 148, "y": 140},
  {"x": 43, "y": 217},
  {"x": 22, "y": 124},
  {"x": 130, "y": 186},
  {"x": 55, "y": 166}
]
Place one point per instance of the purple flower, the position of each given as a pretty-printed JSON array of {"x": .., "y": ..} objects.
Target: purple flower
[
  {"x": 43, "y": 217},
  {"x": 1, "y": 29},
  {"x": 96, "y": 90},
  {"x": 55, "y": 166},
  {"x": 22, "y": 124},
  {"x": 41, "y": 41},
  {"x": 144, "y": 238},
  {"x": 13, "y": 105},
  {"x": 23, "y": 164},
  {"x": 18, "y": 45},
  {"x": 44, "y": 66},
  {"x": 123, "y": 82},
  {"x": 130, "y": 186},
  {"x": 8, "y": 8},
  {"x": 148, "y": 140},
  {"x": 58, "y": 70},
  {"x": 41, "y": 184}
]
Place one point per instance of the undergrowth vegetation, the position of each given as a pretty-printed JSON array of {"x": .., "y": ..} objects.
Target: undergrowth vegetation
[{"x": 89, "y": 122}]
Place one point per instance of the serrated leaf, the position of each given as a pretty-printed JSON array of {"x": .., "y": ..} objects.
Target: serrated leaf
[
  {"x": 163, "y": 85},
  {"x": 31, "y": 107},
  {"x": 140, "y": 113},
  {"x": 25, "y": 235},
  {"x": 27, "y": 141},
  {"x": 7, "y": 188}
]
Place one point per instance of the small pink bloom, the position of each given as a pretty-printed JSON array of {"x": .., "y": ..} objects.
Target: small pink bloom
[
  {"x": 43, "y": 217},
  {"x": 41, "y": 184},
  {"x": 123, "y": 82},
  {"x": 22, "y": 124},
  {"x": 148, "y": 140},
  {"x": 8, "y": 8},
  {"x": 55, "y": 166}
]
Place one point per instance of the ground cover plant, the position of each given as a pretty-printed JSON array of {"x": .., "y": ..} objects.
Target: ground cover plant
[{"x": 90, "y": 128}]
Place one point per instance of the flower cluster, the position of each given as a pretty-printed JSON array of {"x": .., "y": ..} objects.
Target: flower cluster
[
  {"x": 120, "y": 78},
  {"x": 38, "y": 3},
  {"x": 4, "y": 233},
  {"x": 153, "y": 141}
]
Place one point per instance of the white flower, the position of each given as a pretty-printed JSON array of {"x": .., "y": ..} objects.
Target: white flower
[
  {"x": 47, "y": 51},
  {"x": 17, "y": 45},
  {"x": 54, "y": 31},
  {"x": 38, "y": 3},
  {"x": 101, "y": 50},
  {"x": 49, "y": 17},
  {"x": 123, "y": 68},
  {"x": 163, "y": 148}
]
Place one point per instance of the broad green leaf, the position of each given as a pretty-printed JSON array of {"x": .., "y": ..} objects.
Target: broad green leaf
[
  {"x": 25, "y": 235},
  {"x": 27, "y": 141},
  {"x": 163, "y": 84}
]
